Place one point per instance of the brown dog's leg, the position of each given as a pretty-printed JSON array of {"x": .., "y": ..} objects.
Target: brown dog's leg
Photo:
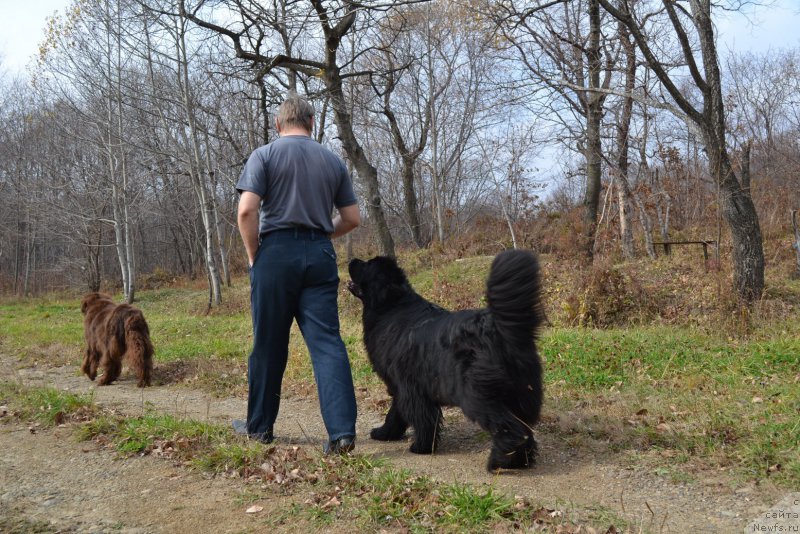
[
  {"x": 95, "y": 361},
  {"x": 90, "y": 360},
  {"x": 139, "y": 348},
  {"x": 87, "y": 363},
  {"x": 111, "y": 370}
]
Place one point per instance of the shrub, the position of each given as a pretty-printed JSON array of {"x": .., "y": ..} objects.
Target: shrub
[{"x": 606, "y": 296}]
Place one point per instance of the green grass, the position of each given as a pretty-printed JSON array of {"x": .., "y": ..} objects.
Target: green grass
[
  {"x": 42, "y": 329},
  {"x": 182, "y": 336},
  {"x": 137, "y": 435},
  {"x": 13, "y": 522},
  {"x": 600, "y": 358},
  {"x": 715, "y": 400},
  {"x": 724, "y": 403},
  {"x": 376, "y": 496},
  {"x": 46, "y": 406},
  {"x": 464, "y": 506},
  {"x": 358, "y": 490},
  {"x": 178, "y": 327}
]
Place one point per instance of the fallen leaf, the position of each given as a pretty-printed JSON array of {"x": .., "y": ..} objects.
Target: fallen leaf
[
  {"x": 757, "y": 400},
  {"x": 254, "y": 509},
  {"x": 331, "y": 503},
  {"x": 643, "y": 411},
  {"x": 542, "y": 515}
]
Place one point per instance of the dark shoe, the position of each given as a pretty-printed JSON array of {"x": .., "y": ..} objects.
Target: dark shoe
[
  {"x": 240, "y": 427},
  {"x": 342, "y": 445}
]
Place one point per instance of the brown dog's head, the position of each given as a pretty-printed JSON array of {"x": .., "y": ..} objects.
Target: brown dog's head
[{"x": 91, "y": 298}]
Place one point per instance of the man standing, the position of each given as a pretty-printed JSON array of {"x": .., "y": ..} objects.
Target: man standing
[{"x": 288, "y": 191}]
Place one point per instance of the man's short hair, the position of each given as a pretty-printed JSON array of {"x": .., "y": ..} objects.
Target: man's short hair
[{"x": 295, "y": 111}]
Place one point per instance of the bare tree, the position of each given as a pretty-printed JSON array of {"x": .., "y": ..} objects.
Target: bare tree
[
  {"x": 83, "y": 63},
  {"x": 575, "y": 60},
  {"x": 334, "y": 20},
  {"x": 399, "y": 58},
  {"x": 623, "y": 125},
  {"x": 506, "y": 159},
  {"x": 737, "y": 205},
  {"x": 761, "y": 108},
  {"x": 796, "y": 244}
]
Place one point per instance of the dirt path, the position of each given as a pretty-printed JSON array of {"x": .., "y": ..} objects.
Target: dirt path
[{"x": 44, "y": 477}]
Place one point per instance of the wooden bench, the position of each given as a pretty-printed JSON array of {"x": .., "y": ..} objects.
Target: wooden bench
[{"x": 705, "y": 244}]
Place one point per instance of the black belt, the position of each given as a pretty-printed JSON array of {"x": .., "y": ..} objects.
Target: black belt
[{"x": 297, "y": 232}]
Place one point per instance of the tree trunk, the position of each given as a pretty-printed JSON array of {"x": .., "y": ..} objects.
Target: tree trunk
[
  {"x": 117, "y": 179},
  {"x": 130, "y": 259},
  {"x": 223, "y": 253},
  {"x": 196, "y": 172},
  {"x": 625, "y": 227},
  {"x": 509, "y": 223},
  {"x": 408, "y": 160},
  {"x": 119, "y": 239},
  {"x": 663, "y": 207},
  {"x": 623, "y": 146},
  {"x": 30, "y": 242},
  {"x": 366, "y": 171},
  {"x": 647, "y": 226},
  {"x": 796, "y": 244},
  {"x": 740, "y": 214},
  {"x": 737, "y": 206},
  {"x": 94, "y": 269},
  {"x": 130, "y": 295},
  {"x": 593, "y": 148}
]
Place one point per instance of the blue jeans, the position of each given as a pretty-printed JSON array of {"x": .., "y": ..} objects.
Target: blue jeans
[{"x": 294, "y": 276}]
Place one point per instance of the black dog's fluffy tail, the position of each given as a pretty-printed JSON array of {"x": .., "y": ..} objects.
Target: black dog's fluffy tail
[{"x": 513, "y": 292}]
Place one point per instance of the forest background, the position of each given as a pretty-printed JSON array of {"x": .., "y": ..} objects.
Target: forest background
[
  {"x": 120, "y": 151},
  {"x": 590, "y": 131}
]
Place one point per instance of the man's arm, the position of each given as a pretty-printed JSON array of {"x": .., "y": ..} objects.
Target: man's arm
[
  {"x": 249, "y": 204},
  {"x": 348, "y": 219}
]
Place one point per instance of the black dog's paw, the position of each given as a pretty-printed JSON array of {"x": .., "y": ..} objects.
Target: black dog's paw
[
  {"x": 386, "y": 433},
  {"x": 418, "y": 448},
  {"x": 522, "y": 457}
]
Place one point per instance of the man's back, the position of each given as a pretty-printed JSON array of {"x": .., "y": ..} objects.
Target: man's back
[{"x": 299, "y": 182}]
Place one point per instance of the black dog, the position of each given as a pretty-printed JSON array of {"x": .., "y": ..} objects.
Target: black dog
[{"x": 483, "y": 361}]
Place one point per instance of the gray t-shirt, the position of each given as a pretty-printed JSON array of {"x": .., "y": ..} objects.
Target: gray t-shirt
[{"x": 299, "y": 182}]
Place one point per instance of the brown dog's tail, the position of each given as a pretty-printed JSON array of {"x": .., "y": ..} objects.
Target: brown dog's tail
[{"x": 138, "y": 347}]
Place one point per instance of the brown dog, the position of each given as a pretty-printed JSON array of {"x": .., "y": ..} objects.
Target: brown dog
[{"x": 113, "y": 332}]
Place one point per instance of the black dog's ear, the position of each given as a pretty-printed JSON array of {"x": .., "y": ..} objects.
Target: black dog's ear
[
  {"x": 383, "y": 281},
  {"x": 389, "y": 270},
  {"x": 355, "y": 268}
]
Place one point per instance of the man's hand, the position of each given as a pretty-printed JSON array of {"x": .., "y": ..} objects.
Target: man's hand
[
  {"x": 349, "y": 219},
  {"x": 249, "y": 204}
]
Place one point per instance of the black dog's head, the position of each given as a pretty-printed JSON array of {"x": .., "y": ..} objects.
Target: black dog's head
[{"x": 377, "y": 281}]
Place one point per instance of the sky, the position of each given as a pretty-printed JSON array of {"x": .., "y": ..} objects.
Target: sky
[{"x": 22, "y": 25}]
